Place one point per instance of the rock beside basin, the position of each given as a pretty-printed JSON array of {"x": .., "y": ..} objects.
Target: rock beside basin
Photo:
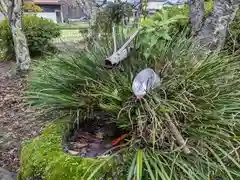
[{"x": 6, "y": 175}]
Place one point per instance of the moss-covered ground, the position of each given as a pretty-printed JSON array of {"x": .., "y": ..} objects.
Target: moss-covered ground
[{"x": 44, "y": 158}]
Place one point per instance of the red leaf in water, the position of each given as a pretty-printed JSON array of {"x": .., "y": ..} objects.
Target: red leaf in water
[{"x": 118, "y": 140}]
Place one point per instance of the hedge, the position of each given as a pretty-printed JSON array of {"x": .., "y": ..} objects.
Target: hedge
[{"x": 38, "y": 31}]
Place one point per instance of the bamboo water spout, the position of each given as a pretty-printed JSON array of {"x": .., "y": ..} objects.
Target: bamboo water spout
[{"x": 122, "y": 53}]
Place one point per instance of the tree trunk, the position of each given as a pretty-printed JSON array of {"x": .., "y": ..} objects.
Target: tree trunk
[
  {"x": 85, "y": 6},
  {"x": 92, "y": 34},
  {"x": 19, "y": 40},
  {"x": 93, "y": 15},
  {"x": 137, "y": 13},
  {"x": 196, "y": 9},
  {"x": 214, "y": 29},
  {"x": 12, "y": 9}
]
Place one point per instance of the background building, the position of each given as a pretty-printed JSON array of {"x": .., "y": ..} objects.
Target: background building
[{"x": 51, "y": 9}]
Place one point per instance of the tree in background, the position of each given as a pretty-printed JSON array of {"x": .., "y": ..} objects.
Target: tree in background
[
  {"x": 12, "y": 10},
  {"x": 32, "y": 7},
  {"x": 212, "y": 30},
  {"x": 89, "y": 7},
  {"x": 72, "y": 9}
]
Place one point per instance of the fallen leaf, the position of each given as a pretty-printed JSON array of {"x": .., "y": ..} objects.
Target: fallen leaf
[
  {"x": 80, "y": 145},
  {"x": 73, "y": 152}
]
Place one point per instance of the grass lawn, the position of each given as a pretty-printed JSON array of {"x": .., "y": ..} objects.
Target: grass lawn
[
  {"x": 75, "y": 25},
  {"x": 75, "y": 35},
  {"x": 69, "y": 35},
  {"x": 70, "y": 31}
]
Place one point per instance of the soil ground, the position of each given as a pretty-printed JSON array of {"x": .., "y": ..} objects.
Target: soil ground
[{"x": 17, "y": 123}]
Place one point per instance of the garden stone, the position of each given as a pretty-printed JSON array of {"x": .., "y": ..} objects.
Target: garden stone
[{"x": 6, "y": 175}]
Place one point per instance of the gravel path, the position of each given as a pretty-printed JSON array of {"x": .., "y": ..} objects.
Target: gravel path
[{"x": 17, "y": 123}]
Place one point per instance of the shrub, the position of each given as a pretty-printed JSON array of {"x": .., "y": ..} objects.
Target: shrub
[
  {"x": 31, "y": 7},
  {"x": 179, "y": 25},
  {"x": 38, "y": 31},
  {"x": 2, "y": 51},
  {"x": 183, "y": 11},
  {"x": 198, "y": 93},
  {"x": 155, "y": 29},
  {"x": 233, "y": 40},
  {"x": 112, "y": 13}
]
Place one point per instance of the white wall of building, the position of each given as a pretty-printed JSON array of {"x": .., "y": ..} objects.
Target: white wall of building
[
  {"x": 154, "y": 5},
  {"x": 47, "y": 15}
]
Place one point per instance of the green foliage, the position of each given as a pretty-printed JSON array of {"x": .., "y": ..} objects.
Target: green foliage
[
  {"x": 164, "y": 24},
  {"x": 179, "y": 25},
  {"x": 199, "y": 93},
  {"x": 155, "y": 29},
  {"x": 32, "y": 7},
  {"x": 38, "y": 31},
  {"x": 233, "y": 40},
  {"x": 44, "y": 158},
  {"x": 1, "y": 9},
  {"x": 183, "y": 11},
  {"x": 2, "y": 51},
  {"x": 113, "y": 13}
]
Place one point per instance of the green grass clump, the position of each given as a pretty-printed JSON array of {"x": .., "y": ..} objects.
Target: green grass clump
[{"x": 199, "y": 94}]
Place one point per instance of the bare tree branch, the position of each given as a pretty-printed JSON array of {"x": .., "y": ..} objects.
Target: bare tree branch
[
  {"x": 85, "y": 6},
  {"x": 114, "y": 38},
  {"x": 177, "y": 135},
  {"x": 4, "y": 7}
]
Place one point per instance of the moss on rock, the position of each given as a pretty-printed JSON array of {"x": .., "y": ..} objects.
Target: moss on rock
[{"x": 44, "y": 158}]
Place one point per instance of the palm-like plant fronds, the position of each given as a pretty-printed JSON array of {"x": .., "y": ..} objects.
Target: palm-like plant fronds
[
  {"x": 112, "y": 14},
  {"x": 199, "y": 95}
]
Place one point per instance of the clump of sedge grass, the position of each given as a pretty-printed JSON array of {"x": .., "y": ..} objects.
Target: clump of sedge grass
[{"x": 187, "y": 128}]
